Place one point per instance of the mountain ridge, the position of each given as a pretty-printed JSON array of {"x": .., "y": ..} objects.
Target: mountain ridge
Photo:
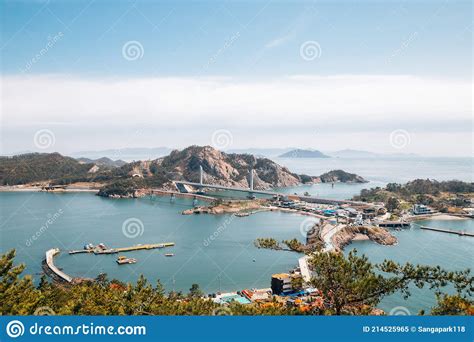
[{"x": 219, "y": 168}]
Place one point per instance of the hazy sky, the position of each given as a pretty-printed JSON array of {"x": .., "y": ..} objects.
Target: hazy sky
[{"x": 385, "y": 76}]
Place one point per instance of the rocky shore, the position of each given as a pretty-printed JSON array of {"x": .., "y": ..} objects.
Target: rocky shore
[
  {"x": 230, "y": 207},
  {"x": 348, "y": 234}
]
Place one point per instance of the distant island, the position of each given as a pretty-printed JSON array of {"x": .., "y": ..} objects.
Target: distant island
[
  {"x": 133, "y": 179},
  {"x": 298, "y": 153}
]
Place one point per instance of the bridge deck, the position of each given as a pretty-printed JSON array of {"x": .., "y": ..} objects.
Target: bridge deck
[
  {"x": 308, "y": 199},
  {"x": 211, "y": 186}
]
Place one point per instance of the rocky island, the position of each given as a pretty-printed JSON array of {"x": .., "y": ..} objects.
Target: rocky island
[{"x": 304, "y": 154}]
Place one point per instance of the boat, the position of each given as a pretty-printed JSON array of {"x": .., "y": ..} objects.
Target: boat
[
  {"x": 242, "y": 214},
  {"x": 169, "y": 254},
  {"x": 124, "y": 260}
]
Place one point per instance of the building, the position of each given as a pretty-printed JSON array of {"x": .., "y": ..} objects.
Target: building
[
  {"x": 421, "y": 209},
  {"x": 258, "y": 294},
  {"x": 281, "y": 283},
  {"x": 369, "y": 213}
]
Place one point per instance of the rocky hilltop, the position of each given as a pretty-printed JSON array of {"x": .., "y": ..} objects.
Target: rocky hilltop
[{"x": 218, "y": 168}]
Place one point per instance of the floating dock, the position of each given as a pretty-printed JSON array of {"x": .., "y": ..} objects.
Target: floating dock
[
  {"x": 97, "y": 250},
  {"x": 394, "y": 224},
  {"x": 449, "y": 231}
]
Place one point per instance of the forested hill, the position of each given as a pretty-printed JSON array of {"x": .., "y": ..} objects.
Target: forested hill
[{"x": 35, "y": 167}]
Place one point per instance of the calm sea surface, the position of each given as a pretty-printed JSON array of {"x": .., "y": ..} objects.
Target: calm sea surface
[{"x": 230, "y": 261}]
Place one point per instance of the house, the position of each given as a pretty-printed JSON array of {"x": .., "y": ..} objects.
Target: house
[{"x": 421, "y": 209}]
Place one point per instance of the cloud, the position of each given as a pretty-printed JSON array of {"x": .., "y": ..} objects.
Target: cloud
[{"x": 353, "y": 101}]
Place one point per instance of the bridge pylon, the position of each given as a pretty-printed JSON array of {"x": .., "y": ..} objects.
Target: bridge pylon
[{"x": 200, "y": 175}]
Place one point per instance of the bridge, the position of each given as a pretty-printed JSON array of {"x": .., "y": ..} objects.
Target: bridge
[
  {"x": 201, "y": 185},
  {"x": 221, "y": 187},
  {"x": 310, "y": 199}
]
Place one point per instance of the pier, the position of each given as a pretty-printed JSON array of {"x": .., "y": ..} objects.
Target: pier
[
  {"x": 49, "y": 263},
  {"x": 394, "y": 224},
  {"x": 98, "y": 251},
  {"x": 449, "y": 231}
]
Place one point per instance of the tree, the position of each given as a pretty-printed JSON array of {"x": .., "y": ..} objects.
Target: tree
[
  {"x": 17, "y": 295},
  {"x": 453, "y": 305},
  {"x": 353, "y": 283},
  {"x": 392, "y": 204},
  {"x": 195, "y": 291},
  {"x": 297, "y": 283},
  {"x": 349, "y": 285}
]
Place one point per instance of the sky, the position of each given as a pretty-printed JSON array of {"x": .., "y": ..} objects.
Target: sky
[{"x": 383, "y": 76}]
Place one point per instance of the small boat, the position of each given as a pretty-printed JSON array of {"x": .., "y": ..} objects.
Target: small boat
[
  {"x": 124, "y": 260},
  {"x": 89, "y": 246},
  {"x": 242, "y": 214},
  {"x": 169, "y": 254}
]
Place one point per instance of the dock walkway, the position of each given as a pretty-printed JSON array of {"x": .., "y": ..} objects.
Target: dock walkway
[
  {"x": 98, "y": 251},
  {"x": 449, "y": 231},
  {"x": 50, "y": 254}
]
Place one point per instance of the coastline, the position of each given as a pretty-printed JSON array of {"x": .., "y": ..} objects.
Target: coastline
[
  {"x": 38, "y": 189},
  {"x": 438, "y": 217}
]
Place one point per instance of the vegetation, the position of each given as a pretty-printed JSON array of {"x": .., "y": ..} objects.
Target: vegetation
[
  {"x": 35, "y": 167},
  {"x": 453, "y": 306},
  {"x": 294, "y": 245},
  {"x": 128, "y": 186},
  {"x": 18, "y": 296},
  {"x": 349, "y": 285},
  {"x": 352, "y": 284},
  {"x": 269, "y": 243},
  {"x": 341, "y": 176},
  {"x": 440, "y": 195}
]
